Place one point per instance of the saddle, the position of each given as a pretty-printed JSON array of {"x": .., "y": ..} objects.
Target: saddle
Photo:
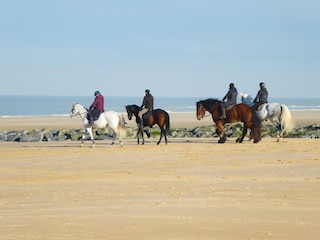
[
  {"x": 146, "y": 115},
  {"x": 259, "y": 108},
  {"x": 230, "y": 106},
  {"x": 94, "y": 113}
]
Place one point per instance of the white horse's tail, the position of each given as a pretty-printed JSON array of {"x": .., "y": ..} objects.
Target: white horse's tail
[
  {"x": 286, "y": 119},
  {"x": 122, "y": 127}
]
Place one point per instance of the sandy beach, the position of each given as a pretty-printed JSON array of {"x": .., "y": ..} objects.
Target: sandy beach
[{"x": 191, "y": 188}]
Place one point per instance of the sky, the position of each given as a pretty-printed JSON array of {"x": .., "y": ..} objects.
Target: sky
[{"x": 175, "y": 48}]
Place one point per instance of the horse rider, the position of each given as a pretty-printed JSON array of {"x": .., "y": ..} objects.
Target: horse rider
[
  {"x": 231, "y": 97},
  {"x": 96, "y": 108},
  {"x": 262, "y": 96},
  {"x": 147, "y": 105}
]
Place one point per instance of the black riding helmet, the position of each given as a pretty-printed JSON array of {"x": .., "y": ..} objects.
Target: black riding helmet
[
  {"x": 96, "y": 93},
  {"x": 261, "y": 84},
  {"x": 231, "y": 85}
]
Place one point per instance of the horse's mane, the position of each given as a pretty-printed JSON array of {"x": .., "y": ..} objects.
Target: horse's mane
[
  {"x": 80, "y": 105},
  {"x": 209, "y": 101}
]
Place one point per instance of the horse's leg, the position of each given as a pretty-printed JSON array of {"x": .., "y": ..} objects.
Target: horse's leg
[
  {"x": 161, "y": 132},
  {"x": 244, "y": 133},
  {"x": 114, "y": 135},
  {"x": 120, "y": 138},
  {"x": 220, "y": 132},
  {"x": 82, "y": 139},
  {"x": 138, "y": 137},
  {"x": 256, "y": 132},
  {"x": 277, "y": 123},
  {"x": 89, "y": 130},
  {"x": 142, "y": 137},
  {"x": 165, "y": 136},
  {"x": 280, "y": 133},
  {"x": 140, "y": 133}
]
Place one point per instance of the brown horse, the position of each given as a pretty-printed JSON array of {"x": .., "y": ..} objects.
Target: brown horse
[
  {"x": 238, "y": 113},
  {"x": 157, "y": 116}
]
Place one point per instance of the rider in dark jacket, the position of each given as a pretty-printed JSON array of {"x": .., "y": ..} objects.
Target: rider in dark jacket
[
  {"x": 96, "y": 108},
  {"x": 147, "y": 105},
  {"x": 262, "y": 96},
  {"x": 231, "y": 97}
]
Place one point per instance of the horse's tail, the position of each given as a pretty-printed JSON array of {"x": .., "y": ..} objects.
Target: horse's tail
[
  {"x": 122, "y": 127},
  {"x": 286, "y": 120},
  {"x": 167, "y": 119}
]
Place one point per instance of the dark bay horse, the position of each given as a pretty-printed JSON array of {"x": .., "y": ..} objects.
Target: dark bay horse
[
  {"x": 157, "y": 116},
  {"x": 238, "y": 113}
]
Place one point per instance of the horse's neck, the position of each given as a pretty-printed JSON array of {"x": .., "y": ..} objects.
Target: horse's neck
[
  {"x": 83, "y": 112},
  {"x": 212, "y": 108},
  {"x": 136, "y": 111}
]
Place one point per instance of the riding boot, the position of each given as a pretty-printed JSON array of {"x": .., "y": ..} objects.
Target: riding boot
[
  {"x": 223, "y": 113},
  {"x": 140, "y": 123},
  {"x": 90, "y": 120}
]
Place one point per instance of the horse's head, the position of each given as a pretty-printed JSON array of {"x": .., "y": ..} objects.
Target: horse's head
[
  {"x": 129, "y": 112},
  {"x": 209, "y": 105},
  {"x": 77, "y": 109},
  {"x": 132, "y": 110},
  {"x": 200, "y": 110}
]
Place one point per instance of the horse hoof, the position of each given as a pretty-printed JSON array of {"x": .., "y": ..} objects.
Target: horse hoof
[
  {"x": 256, "y": 140},
  {"x": 93, "y": 146},
  {"x": 239, "y": 141}
]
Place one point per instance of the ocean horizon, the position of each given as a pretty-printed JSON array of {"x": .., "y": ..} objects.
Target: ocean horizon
[{"x": 40, "y": 106}]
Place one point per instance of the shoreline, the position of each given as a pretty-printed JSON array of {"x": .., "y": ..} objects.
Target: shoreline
[{"x": 177, "y": 120}]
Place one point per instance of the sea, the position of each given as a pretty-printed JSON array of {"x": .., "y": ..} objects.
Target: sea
[{"x": 40, "y": 106}]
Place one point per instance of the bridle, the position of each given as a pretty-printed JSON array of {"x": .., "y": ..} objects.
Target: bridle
[{"x": 78, "y": 112}]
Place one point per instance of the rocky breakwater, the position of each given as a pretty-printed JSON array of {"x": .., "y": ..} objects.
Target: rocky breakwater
[{"x": 312, "y": 131}]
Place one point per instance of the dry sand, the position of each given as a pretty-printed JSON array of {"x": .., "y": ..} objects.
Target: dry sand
[{"x": 188, "y": 189}]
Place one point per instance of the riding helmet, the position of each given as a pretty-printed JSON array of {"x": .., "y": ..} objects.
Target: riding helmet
[
  {"x": 96, "y": 93},
  {"x": 147, "y": 91},
  {"x": 261, "y": 84},
  {"x": 231, "y": 85}
]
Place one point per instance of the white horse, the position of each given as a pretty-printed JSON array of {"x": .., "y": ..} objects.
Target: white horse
[
  {"x": 277, "y": 113},
  {"x": 112, "y": 119}
]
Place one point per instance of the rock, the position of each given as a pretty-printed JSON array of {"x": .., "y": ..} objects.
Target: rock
[{"x": 3, "y": 137}]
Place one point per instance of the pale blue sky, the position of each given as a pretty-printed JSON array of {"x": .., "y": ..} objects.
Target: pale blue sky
[{"x": 173, "y": 47}]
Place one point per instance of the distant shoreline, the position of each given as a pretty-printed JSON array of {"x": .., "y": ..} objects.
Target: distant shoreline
[{"x": 123, "y": 112}]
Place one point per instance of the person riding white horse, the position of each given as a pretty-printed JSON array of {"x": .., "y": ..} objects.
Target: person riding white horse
[
  {"x": 277, "y": 113},
  {"x": 96, "y": 108},
  {"x": 112, "y": 119},
  {"x": 262, "y": 96}
]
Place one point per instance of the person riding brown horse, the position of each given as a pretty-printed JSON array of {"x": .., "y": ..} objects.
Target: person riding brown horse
[
  {"x": 147, "y": 105},
  {"x": 238, "y": 113},
  {"x": 157, "y": 116},
  {"x": 231, "y": 97}
]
